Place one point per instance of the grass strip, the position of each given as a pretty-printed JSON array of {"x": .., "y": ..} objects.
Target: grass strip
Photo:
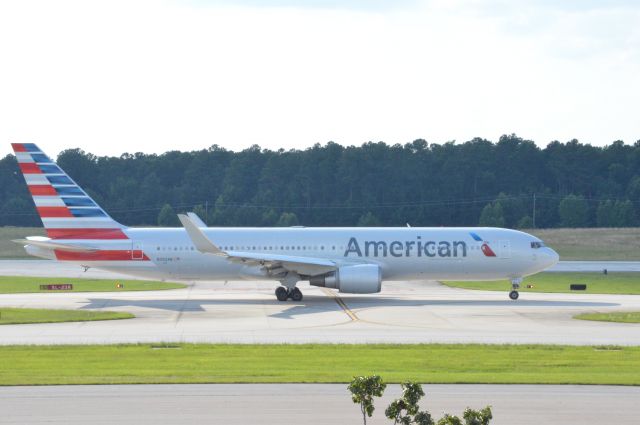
[
  {"x": 13, "y": 316},
  {"x": 222, "y": 363},
  {"x": 597, "y": 283},
  {"x": 617, "y": 244},
  {"x": 23, "y": 284},
  {"x": 620, "y": 317}
]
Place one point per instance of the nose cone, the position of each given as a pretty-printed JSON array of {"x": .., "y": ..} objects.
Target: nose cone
[{"x": 550, "y": 258}]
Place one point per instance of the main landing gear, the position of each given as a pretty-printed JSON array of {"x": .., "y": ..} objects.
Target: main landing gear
[
  {"x": 288, "y": 288},
  {"x": 515, "y": 284},
  {"x": 283, "y": 293}
]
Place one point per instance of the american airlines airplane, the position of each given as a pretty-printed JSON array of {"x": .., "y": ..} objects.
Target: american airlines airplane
[{"x": 349, "y": 259}]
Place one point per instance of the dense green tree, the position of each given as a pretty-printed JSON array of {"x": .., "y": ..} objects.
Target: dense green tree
[
  {"x": 470, "y": 416},
  {"x": 574, "y": 211},
  {"x": 368, "y": 220},
  {"x": 405, "y": 410},
  {"x": 287, "y": 219},
  {"x": 477, "y": 417},
  {"x": 419, "y": 183},
  {"x": 363, "y": 389},
  {"x": 492, "y": 215},
  {"x": 167, "y": 217},
  {"x": 604, "y": 214},
  {"x": 449, "y": 420},
  {"x": 525, "y": 222},
  {"x": 269, "y": 218},
  {"x": 623, "y": 214}
]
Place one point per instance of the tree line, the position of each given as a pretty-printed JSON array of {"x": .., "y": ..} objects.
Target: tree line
[{"x": 511, "y": 183}]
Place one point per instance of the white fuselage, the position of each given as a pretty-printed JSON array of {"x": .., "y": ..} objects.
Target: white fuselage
[{"x": 411, "y": 253}]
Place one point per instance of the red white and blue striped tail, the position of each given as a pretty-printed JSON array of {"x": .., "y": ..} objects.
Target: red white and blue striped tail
[{"x": 67, "y": 212}]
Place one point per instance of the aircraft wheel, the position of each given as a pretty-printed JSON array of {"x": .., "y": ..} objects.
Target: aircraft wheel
[
  {"x": 281, "y": 293},
  {"x": 296, "y": 294},
  {"x": 513, "y": 295}
]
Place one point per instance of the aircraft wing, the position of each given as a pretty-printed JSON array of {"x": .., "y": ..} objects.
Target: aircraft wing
[
  {"x": 47, "y": 243},
  {"x": 274, "y": 264}
]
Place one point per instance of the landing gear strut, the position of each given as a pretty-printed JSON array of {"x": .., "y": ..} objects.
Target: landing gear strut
[
  {"x": 283, "y": 293},
  {"x": 515, "y": 284}
]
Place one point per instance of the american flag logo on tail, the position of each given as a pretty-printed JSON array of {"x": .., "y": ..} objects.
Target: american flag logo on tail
[{"x": 67, "y": 212}]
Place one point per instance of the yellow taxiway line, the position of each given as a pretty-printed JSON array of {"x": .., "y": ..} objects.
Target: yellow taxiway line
[{"x": 341, "y": 303}]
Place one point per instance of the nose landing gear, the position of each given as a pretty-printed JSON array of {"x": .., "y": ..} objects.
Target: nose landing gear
[{"x": 515, "y": 284}]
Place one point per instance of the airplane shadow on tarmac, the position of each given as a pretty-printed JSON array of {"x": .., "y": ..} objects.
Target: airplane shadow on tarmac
[{"x": 318, "y": 304}]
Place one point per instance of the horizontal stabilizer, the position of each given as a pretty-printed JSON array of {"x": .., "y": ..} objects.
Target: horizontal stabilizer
[{"x": 43, "y": 242}]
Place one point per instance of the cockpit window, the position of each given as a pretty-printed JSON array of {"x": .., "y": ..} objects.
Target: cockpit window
[{"x": 537, "y": 244}]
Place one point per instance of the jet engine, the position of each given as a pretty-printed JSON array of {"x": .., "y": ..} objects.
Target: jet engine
[{"x": 357, "y": 279}]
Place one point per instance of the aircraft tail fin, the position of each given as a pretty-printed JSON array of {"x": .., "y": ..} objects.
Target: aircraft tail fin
[{"x": 66, "y": 211}]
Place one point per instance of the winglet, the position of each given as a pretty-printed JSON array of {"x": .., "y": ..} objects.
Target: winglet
[
  {"x": 196, "y": 220},
  {"x": 197, "y": 236}
]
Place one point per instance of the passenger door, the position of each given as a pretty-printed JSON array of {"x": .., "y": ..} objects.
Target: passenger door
[
  {"x": 504, "y": 249},
  {"x": 137, "y": 252}
]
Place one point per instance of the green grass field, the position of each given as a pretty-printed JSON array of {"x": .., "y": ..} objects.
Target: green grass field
[
  {"x": 620, "y": 317},
  {"x": 19, "y": 284},
  {"x": 597, "y": 283},
  {"x": 187, "y": 363},
  {"x": 622, "y": 244},
  {"x": 13, "y": 316}
]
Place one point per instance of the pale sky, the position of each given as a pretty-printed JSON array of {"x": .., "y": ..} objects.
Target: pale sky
[{"x": 150, "y": 76}]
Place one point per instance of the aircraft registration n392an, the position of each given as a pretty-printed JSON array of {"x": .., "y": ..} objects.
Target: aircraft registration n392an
[{"x": 349, "y": 259}]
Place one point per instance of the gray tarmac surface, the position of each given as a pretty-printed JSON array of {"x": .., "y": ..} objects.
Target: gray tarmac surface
[
  {"x": 307, "y": 403},
  {"x": 55, "y": 269},
  {"x": 247, "y": 312}
]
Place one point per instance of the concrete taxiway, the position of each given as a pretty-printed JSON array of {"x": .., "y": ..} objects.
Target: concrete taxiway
[
  {"x": 247, "y": 312},
  {"x": 307, "y": 403}
]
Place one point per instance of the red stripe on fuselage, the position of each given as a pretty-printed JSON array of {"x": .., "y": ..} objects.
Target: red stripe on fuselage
[
  {"x": 105, "y": 255},
  {"x": 50, "y": 212},
  {"x": 42, "y": 190},
  {"x": 29, "y": 168},
  {"x": 86, "y": 234},
  {"x": 18, "y": 147}
]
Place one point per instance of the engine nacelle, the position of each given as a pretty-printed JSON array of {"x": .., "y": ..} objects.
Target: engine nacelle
[{"x": 357, "y": 279}]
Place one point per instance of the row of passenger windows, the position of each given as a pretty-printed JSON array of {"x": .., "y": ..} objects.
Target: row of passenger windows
[
  {"x": 252, "y": 248},
  {"x": 284, "y": 248}
]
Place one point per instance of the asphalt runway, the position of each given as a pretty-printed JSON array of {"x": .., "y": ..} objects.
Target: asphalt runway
[
  {"x": 596, "y": 266},
  {"x": 247, "y": 312},
  {"x": 307, "y": 403}
]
